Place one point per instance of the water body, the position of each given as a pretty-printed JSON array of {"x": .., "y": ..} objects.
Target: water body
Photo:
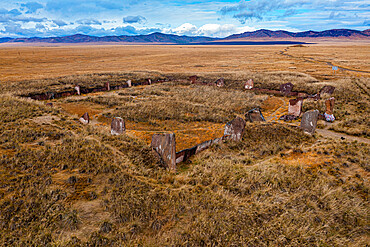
[{"x": 251, "y": 43}]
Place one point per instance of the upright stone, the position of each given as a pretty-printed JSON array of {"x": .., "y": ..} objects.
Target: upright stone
[
  {"x": 295, "y": 107},
  {"x": 286, "y": 88},
  {"x": 309, "y": 121},
  {"x": 78, "y": 89},
  {"x": 234, "y": 130},
  {"x": 129, "y": 83},
  {"x": 107, "y": 86},
  {"x": 85, "y": 119},
  {"x": 249, "y": 84},
  {"x": 220, "y": 82},
  {"x": 117, "y": 126},
  {"x": 165, "y": 146},
  {"x": 193, "y": 79},
  {"x": 254, "y": 115},
  {"x": 329, "y": 113}
]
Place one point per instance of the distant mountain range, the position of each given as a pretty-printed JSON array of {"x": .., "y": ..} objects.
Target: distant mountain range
[
  {"x": 160, "y": 38},
  {"x": 334, "y": 33},
  {"x": 80, "y": 38}
]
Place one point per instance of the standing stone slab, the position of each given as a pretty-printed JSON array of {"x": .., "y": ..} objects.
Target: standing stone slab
[
  {"x": 234, "y": 130},
  {"x": 78, "y": 90},
  {"x": 309, "y": 121},
  {"x": 85, "y": 119},
  {"x": 329, "y": 113},
  {"x": 295, "y": 107},
  {"x": 249, "y": 84},
  {"x": 129, "y": 83},
  {"x": 220, "y": 82},
  {"x": 193, "y": 79},
  {"x": 165, "y": 146},
  {"x": 107, "y": 86},
  {"x": 286, "y": 88},
  {"x": 117, "y": 126},
  {"x": 254, "y": 115},
  {"x": 330, "y": 105}
]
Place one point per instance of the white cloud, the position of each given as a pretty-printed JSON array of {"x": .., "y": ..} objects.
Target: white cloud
[
  {"x": 217, "y": 30},
  {"x": 210, "y": 30},
  {"x": 185, "y": 29}
]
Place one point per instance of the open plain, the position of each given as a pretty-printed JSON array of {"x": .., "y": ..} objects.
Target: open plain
[{"x": 63, "y": 183}]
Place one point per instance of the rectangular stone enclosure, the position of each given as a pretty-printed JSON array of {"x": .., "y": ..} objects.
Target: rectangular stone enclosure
[{"x": 165, "y": 146}]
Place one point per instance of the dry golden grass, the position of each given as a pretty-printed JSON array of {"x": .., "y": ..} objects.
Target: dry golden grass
[
  {"x": 65, "y": 184},
  {"x": 20, "y": 63}
]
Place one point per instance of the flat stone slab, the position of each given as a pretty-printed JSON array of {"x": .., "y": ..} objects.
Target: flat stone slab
[
  {"x": 165, "y": 146},
  {"x": 85, "y": 119},
  {"x": 295, "y": 107},
  {"x": 327, "y": 90},
  {"x": 288, "y": 117},
  {"x": 254, "y": 115},
  {"x": 117, "y": 126},
  {"x": 286, "y": 88},
  {"x": 249, "y": 84},
  {"x": 309, "y": 121},
  {"x": 234, "y": 130}
]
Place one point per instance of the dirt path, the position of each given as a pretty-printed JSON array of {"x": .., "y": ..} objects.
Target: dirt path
[
  {"x": 341, "y": 136},
  {"x": 311, "y": 59}
]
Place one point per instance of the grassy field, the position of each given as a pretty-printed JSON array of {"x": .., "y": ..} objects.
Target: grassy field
[{"x": 66, "y": 184}]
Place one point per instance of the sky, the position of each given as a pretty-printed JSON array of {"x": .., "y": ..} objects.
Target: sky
[{"x": 220, "y": 18}]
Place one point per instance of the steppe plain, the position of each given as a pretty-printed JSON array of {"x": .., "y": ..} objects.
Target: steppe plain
[{"x": 67, "y": 184}]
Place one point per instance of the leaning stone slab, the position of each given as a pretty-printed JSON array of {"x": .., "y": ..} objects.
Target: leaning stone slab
[
  {"x": 309, "y": 121},
  {"x": 286, "y": 88},
  {"x": 185, "y": 154},
  {"x": 254, "y": 115},
  {"x": 234, "y": 130},
  {"x": 249, "y": 84},
  {"x": 165, "y": 146},
  {"x": 85, "y": 119},
  {"x": 295, "y": 107},
  {"x": 117, "y": 126}
]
